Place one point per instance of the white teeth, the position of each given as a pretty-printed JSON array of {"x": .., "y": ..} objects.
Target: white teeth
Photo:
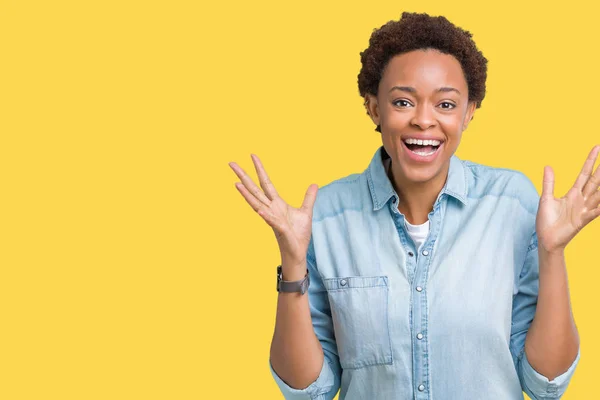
[
  {"x": 424, "y": 154},
  {"x": 423, "y": 142}
]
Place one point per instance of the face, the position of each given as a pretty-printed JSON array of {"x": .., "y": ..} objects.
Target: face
[{"x": 422, "y": 94}]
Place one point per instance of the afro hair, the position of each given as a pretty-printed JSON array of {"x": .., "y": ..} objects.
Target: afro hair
[{"x": 416, "y": 31}]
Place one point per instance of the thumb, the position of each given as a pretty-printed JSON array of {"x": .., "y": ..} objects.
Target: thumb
[
  {"x": 548, "y": 185},
  {"x": 310, "y": 197}
]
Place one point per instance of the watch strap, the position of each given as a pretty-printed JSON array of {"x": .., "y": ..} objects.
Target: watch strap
[{"x": 292, "y": 286}]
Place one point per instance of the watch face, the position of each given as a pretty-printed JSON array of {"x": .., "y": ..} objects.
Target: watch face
[{"x": 278, "y": 276}]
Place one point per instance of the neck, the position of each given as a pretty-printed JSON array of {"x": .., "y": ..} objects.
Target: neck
[{"x": 416, "y": 199}]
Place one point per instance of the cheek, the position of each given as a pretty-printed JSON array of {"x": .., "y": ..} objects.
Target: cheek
[
  {"x": 396, "y": 119},
  {"x": 451, "y": 124},
  {"x": 391, "y": 142}
]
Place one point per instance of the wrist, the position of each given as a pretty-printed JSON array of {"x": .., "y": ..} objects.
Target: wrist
[
  {"x": 293, "y": 274},
  {"x": 553, "y": 253},
  {"x": 293, "y": 270}
]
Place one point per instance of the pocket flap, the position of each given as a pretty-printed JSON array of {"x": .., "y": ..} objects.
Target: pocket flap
[{"x": 355, "y": 282}]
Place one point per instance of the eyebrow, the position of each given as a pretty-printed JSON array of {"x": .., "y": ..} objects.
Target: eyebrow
[{"x": 413, "y": 90}]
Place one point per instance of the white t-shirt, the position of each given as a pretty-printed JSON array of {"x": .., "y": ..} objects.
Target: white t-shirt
[{"x": 418, "y": 233}]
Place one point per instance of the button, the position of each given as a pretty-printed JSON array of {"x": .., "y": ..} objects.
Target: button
[
  {"x": 394, "y": 200},
  {"x": 419, "y": 336},
  {"x": 410, "y": 253},
  {"x": 425, "y": 252},
  {"x": 421, "y": 388},
  {"x": 419, "y": 289},
  {"x": 343, "y": 282}
]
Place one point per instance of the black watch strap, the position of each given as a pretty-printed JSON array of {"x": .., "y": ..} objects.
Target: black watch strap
[{"x": 292, "y": 286}]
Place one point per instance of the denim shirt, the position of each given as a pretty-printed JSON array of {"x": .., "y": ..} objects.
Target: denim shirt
[{"x": 447, "y": 322}]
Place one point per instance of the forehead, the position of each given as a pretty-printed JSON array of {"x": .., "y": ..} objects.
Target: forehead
[{"x": 425, "y": 69}]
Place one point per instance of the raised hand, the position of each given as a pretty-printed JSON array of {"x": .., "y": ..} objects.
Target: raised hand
[
  {"x": 559, "y": 220},
  {"x": 292, "y": 226}
]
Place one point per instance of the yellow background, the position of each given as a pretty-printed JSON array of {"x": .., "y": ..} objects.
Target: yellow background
[{"x": 131, "y": 268}]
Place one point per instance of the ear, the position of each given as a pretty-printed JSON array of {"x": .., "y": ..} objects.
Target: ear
[
  {"x": 469, "y": 115},
  {"x": 372, "y": 108}
]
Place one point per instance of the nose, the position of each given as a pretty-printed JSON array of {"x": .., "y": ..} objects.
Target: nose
[{"x": 423, "y": 117}]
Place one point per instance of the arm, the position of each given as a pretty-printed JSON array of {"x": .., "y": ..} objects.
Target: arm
[
  {"x": 528, "y": 305},
  {"x": 304, "y": 360},
  {"x": 296, "y": 353},
  {"x": 552, "y": 343}
]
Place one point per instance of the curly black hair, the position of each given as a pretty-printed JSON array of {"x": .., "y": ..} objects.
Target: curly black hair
[{"x": 415, "y": 31}]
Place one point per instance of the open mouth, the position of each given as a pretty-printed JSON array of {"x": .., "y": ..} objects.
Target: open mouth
[{"x": 422, "y": 148}]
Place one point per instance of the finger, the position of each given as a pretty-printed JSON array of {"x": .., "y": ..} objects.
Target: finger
[
  {"x": 590, "y": 215},
  {"x": 250, "y": 199},
  {"x": 548, "y": 185},
  {"x": 262, "y": 210},
  {"x": 263, "y": 178},
  {"x": 310, "y": 197},
  {"x": 594, "y": 199},
  {"x": 587, "y": 169},
  {"x": 249, "y": 183},
  {"x": 593, "y": 183}
]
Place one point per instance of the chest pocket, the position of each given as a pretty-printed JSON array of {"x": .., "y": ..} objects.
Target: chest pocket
[{"x": 359, "y": 309}]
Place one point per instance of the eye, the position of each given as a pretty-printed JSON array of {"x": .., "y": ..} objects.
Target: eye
[
  {"x": 451, "y": 105},
  {"x": 401, "y": 103}
]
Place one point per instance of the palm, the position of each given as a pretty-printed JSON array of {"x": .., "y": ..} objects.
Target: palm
[
  {"x": 298, "y": 226},
  {"x": 559, "y": 220},
  {"x": 292, "y": 226}
]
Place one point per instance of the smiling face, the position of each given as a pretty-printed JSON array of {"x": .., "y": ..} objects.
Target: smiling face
[{"x": 423, "y": 94}]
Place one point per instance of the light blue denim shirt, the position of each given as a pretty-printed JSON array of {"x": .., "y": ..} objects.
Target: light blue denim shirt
[{"x": 445, "y": 323}]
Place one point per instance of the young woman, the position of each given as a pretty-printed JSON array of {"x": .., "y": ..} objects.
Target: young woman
[{"x": 428, "y": 276}]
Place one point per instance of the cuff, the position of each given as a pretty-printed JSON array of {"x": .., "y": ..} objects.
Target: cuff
[
  {"x": 538, "y": 386},
  {"x": 320, "y": 386}
]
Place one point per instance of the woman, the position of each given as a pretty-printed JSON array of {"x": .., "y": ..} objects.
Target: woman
[{"x": 429, "y": 277}]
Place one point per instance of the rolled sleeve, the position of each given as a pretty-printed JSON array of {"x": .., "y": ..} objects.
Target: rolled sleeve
[
  {"x": 537, "y": 386},
  {"x": 327, "y": 384},
  {"x": 316, "y": 390}
]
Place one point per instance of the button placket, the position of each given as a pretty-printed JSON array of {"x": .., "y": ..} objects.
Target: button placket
[
  {"x": 420, "y": 320},
  {"x": 417, "y": 265}
]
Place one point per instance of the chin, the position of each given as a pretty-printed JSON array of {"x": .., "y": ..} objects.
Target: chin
[{"x": 421, "y": 173}]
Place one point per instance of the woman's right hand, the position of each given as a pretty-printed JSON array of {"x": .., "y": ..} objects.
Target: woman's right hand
[{"x": 292, "y": 226}]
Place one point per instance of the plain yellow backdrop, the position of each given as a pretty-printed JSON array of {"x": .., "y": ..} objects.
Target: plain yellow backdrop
[{"x": 131, "y": 268}]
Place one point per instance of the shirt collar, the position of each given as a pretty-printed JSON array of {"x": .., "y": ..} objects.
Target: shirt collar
[{"x": 382, "y": 190}]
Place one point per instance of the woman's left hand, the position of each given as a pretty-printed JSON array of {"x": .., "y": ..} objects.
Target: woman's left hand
[{"x": 559, "y": 220}]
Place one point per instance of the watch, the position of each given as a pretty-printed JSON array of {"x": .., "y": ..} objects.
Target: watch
[{"x": 292, "y": 286}]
